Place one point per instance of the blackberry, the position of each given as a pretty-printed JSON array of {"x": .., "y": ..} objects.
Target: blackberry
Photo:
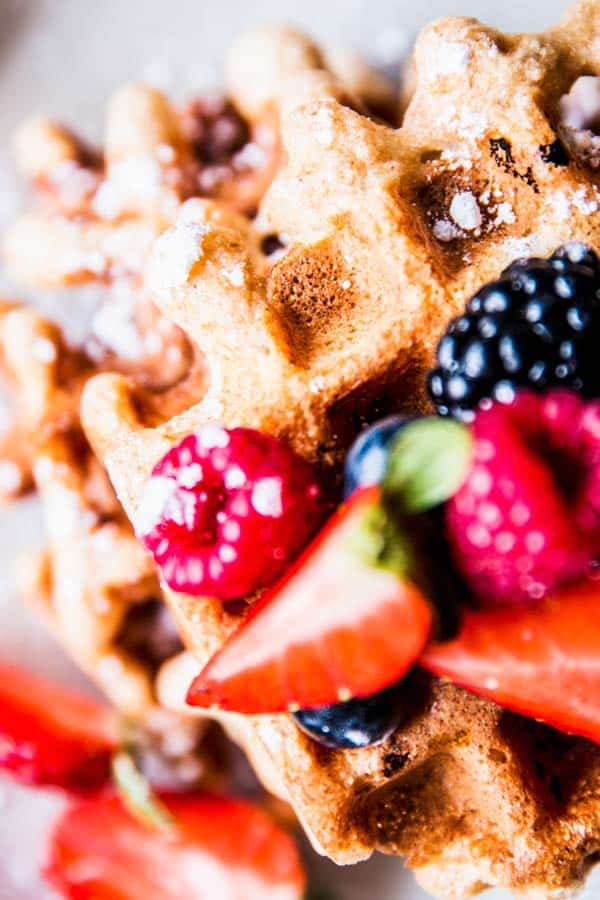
[{"x": 538, "y": 327}]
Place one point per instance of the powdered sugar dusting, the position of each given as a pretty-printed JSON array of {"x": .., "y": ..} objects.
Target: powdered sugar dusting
[
  {"x": 467, "y": 123},
  {"x": 44, "y": 350},
  {"x": 113, "y": 326},
  {"x": 236, "y": 275},
  {"x": 316, "y": 384},
  {"x": 135, "y": 177},
  {"x": 580, "y": 108},
  {"x": 560, "y": 204},
  {"x": 325, "y": 133},
  {"x": 11, "y": 478},
  {"x": 251, "y": 156},
  {"x": 212, "y": 435},
  {"x": 156, "y": 499},
  {"x": 517, "y": 248},
  {"x": 266, "y": 497},
  {"x": 505, "y": 214},
  {"x": 465, "y": 211},
  {"x": 453, "y": 58},
  {"x": 174, "y": 255},
  {"x": 580, "y": 119},
  {"x": 584, "y": 203},
  {"x": 445, "y": 231}
]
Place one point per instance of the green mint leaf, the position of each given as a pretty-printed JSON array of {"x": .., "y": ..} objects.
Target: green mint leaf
[
  {"x": 428, "y": 462},
  {"x": 137, "y": 794},
  {"x": 379, "y": 541}
]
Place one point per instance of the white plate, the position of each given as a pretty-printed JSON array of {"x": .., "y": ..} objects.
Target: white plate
[{"x": 63, "y": 57}]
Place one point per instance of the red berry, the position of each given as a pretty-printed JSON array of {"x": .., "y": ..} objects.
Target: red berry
[
  {"x": 219, "y": 848},
  {"x": 540, "y": 662},
  {"x": 52, "y": 736},
  {"x": 226, "y": 510},
  {"x": 527, "y": 519},
  {"x": 337, "y": 626}
]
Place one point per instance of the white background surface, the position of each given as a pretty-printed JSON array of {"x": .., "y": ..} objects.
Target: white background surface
[{"x": 63, "y": 57}]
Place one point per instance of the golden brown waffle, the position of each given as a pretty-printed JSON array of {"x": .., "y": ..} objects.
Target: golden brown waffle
[
  {"x": 94, "y": 586},
  {"x": 16, "y": 477},
  {"x": 98, "y": 214},
  {"x": 94, "y": 570},
  {"x": 94, "y": 221},
  {"x": 386, "y": 233}
]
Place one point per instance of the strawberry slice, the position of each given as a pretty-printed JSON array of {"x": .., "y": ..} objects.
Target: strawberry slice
[
  {"x": 542, "y": 662},
  {"x": 337, "y": 626},
  {"x": 52, "y": 736},
  {"x": 219, "y": 848}
]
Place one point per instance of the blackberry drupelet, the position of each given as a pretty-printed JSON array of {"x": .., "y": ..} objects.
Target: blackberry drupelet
[{"x": 538, "y": 327}]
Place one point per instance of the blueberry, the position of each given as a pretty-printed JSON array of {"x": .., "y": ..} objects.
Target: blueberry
[
  {"x": 356, "y": 723},
  {"x": 367, "y": 460}
]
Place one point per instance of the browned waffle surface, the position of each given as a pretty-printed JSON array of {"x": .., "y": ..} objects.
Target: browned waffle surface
[
  {"x": 383, "y": 233},
  {"x": 471, "y": 795}
]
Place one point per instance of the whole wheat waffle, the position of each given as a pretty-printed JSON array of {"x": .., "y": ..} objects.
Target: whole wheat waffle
[{"x": 385, "y": 234}]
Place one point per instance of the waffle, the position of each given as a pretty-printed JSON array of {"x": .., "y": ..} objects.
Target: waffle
[
  {"x": 317, "y": 316},
  {"x": 93, "y": 586},
  {"x": 94, "y": 219},
  {"x": 16, "y": 477},
  {"x": 384, "y": 234},
  {"x": 97, "y": 214}
]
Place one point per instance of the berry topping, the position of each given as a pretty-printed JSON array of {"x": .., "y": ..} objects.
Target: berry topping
[
  {"x": 356, "y": 723},
  {"x": 538, "y": 326},
  {"x": 540, "y": 662},
  {"x": 527, "y": 518},
  {"x": 226, "y": 510},
  {"x": 367, "y": 460},
  {"x": 216, "y": 848},
  {"x": 345, "y": 622},
  {"x": 52, "y": 736}
]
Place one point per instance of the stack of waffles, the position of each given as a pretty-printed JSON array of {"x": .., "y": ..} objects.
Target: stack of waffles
[
  {"x": 89, "y": 235},
  {"x": 286, "y": 261}
]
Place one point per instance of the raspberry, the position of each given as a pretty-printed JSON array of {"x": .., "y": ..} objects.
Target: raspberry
[
  {"x": 537, "y": 327},
  {"x": 527, "y": 518},
  {"x": 226, "y": 510}
]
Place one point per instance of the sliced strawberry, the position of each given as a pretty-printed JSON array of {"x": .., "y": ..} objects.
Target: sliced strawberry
[
  {"x": 542, "y": 662},
  {"x": 50, "y": 735},
  {"x": 336, "y": 627},
  {"x": 219, "y": 848}
]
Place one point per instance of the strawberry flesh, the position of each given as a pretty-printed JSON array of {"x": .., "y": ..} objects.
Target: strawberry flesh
[
  {"x": 52, "y": 736},
  {"x": 336, "y": 627},
  {"x": 540, "y": 662},
  {"x": 220, "y": 848}
]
